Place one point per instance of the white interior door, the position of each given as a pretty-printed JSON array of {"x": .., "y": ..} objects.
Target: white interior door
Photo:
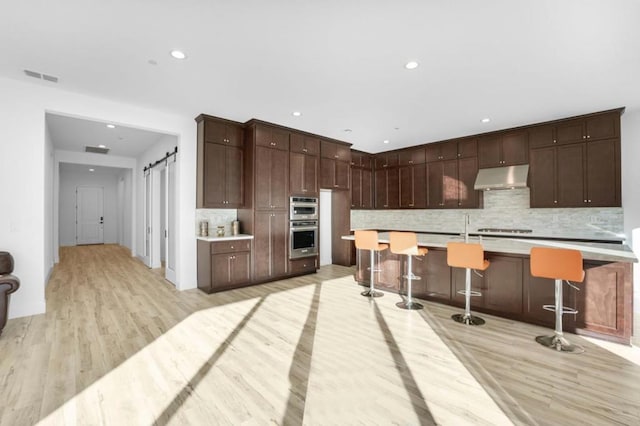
[
  {"x": 170, "y": 225},
  {"x": 147, "y": 219},
  {"x": 89, "y": 215}
]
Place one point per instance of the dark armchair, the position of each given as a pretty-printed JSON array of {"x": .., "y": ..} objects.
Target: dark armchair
[{"x": 8, "y": 285}]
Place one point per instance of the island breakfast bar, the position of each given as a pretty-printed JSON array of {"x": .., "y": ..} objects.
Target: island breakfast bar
[{"x": 604, "y": 301}]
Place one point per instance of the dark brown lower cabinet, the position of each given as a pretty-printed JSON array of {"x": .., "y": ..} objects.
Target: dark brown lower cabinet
[
  {"x": 271, "y": 257},
  {"x": 223, "y": 265},
  {"x": 303, "y": 266},
  {"x": 604, "y": 302}
]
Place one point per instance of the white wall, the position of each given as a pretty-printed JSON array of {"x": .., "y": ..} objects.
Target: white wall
[
  {"x": 49, "y": 163},
  {"x": 631, "y": 195},
  {"x": 69, "y": 181},
  {"x": 125, "y": 211},
  {"x": 23, "y": 160}
]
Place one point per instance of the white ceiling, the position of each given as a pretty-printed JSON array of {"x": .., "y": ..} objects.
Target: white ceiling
[
  {"x": 83, "y": 168},
  {"x": 341, "y": 63},
  {"x": 74, "y": 134}
]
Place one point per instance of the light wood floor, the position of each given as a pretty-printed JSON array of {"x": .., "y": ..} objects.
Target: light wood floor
[{"x": 120, "y": 346}]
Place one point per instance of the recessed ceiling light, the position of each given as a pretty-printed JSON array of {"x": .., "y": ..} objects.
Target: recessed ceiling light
[
  {"x": 178, "y": 54},
  {"x": 385, "y": 141},
  {"x": 111, "y": 126},
  {"x": 486, "y": 120},
  {"x": 92, "y": 170},
  {"x": 296, "y": 113},
  {"x": 102, "y": 146},
  {"x": 411, "y": 65},
  {"x": 152, "y": 62}
]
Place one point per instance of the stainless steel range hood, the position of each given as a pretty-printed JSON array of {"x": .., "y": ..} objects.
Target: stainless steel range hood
[{"x": 509, "y": 177}]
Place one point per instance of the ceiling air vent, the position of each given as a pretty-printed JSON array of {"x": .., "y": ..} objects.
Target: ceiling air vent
[
  {"x": 96, "y": 149},
  {"x": 39, "y": 76}
]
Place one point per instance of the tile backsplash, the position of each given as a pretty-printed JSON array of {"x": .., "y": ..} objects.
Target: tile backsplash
[
  {"x": 502, "y": 209},
  {"x": 216, "y": 217}
]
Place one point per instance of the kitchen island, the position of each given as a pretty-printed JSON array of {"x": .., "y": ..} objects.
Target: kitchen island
[{"x": 604, "y": 300}]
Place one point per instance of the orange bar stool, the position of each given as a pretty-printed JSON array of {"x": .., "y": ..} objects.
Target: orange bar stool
[
  {"x": 368, "y": 240},
  {"x": 469, "y": 256},
  {"x": 406, "y": 243},
  {"x": 559, "y": 265}
]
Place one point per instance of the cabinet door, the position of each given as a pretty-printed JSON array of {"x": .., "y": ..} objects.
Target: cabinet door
[
  {"x": 279, "y": 185},
  {"x": 503, "y": 284},
  {"x": 262, "y": 245},
  {"x": 406, "y": 186},
  {"x": 603, "y": 126},
  {"x": 542, "y": 177},
  {"x": 467, "y": 148},
  {"x": 603, "y": 185},
  {"x": 234, "y": 177},
  {"x": 570, "y": 173},
  {"x": 468, "y": 197},
  {"x": 240, "y": 268},
  {"x": 296, "y": 173},
  {"x": 221, "y": 270},
  {"x": 214, "y": 175},
  {"x": 514, "y": 148},
  {"x": 419, "y": 186},
  {"x": 234, "y": 135},
  {"x": 263, "y": 178},
  {"x": 489, "y": 151},
  {"x": 381, "y": 189},
  {"x": 541, "y": 136},
  {"x": 215, "y": 132},
  {"x": 450, "y": 184},
  {"x": 279, "y": 243},
  {"x": 367, "y": 189},
  {"x": 343, "y": 153},
  {"x": 436, "y": 275},
  {"x": 310, "y": 175},
  {"x": 328, "y": 150},
  {"x": 393, "y": 188},
  {"x": 432, "y": 152},
  {"x": 342, "y": 174},
  {"x": 435, "y": 173},
  {"x": 570, "y": 131},
  {"x": 356, "y": 188},
  {"x": 449, "y": 150},
  {"x": 327, "y": 173}
]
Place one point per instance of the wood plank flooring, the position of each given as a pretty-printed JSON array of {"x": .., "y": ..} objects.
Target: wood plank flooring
[{"x": 120, "y": 346}]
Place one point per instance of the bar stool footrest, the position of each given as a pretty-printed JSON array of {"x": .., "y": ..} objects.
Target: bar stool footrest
[
  {"x": 472, "y": 293},
  {"x": 375, "y": 269},
  {"x": 467, "y": 319},
  {"x": 559, "y": 344},
  {"x": 372, "y": 293},
  {"x": 409, "y": 305},
  {"x": 412, "y": 277},
  {"x": 565, "y": 309}
]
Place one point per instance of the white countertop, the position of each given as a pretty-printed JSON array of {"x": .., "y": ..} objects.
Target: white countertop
[
  {"x": 226, "y": 238},
  {"x": 609, "y": 252}
]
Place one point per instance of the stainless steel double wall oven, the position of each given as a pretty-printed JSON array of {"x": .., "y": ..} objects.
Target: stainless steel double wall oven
[{"x": 303, "y": 227}]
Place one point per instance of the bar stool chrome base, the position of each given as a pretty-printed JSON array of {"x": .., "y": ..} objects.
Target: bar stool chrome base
[
  {"x": 467, "y": 319},
  {"x": 372, "y": 293},
  {"x": 560, "y": 344},
  {"x": 410, "y": 305}
]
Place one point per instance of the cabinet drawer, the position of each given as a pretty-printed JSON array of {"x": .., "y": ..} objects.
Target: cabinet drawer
[
  {"x": 299, "y": 266},
  {"x": 230, "y": 246}
]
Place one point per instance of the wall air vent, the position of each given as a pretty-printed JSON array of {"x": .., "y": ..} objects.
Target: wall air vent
[
  {"x": 96, "y": 149},
  {"x": 39, "y": 76}
]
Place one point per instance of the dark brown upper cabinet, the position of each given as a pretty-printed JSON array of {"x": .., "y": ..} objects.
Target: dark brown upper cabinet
[
  {"x": 361, "y": 188},
  {"x": 503, "y": 149},
  {"x": 468, "y": 148},
  {"x": 603, "y": 126},
  {"x": 304, "y": 144},
  {"x": 220, "y": 164},
  {"x": 387, "y": 188},
  {"x": 442, "y": 151},
  {"x": 386, "y": 159},
  {"x": 335, "y": 151},
  {"x": 271, "y": 137},
  {"x": 411, "y": 156},
  {"x": 361, "y": 159},
  {"x": 413, "y": 191},
  {"x": 272, "y": 178}
]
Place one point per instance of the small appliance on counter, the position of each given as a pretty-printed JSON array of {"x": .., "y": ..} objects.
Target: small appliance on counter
[
  {"x": 220, "y": 231},
  {"x": 235, "y": 227}
]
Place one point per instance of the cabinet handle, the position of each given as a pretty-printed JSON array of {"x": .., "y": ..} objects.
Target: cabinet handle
[
  {"x": 554, "y": 141},
  {"x": 588, "y": 136},
  {"x": 459, "y": 155},
  {"x": 410, "y": 205},
  {"x": 384, "y": 165},
  {"x": 459, "y": 203},
  {"x": 585, "y": 201},
  {"x": 386, "y": 205},
  {"x": 589, "y": 200},
  {"x": 335, "y": 186},
  {"x": 304, "y": 190},
  {"x": 336, "y": 156},
  {"x": 304, "y": 149},
  {"x": 410, "y": 161},
  {"x": 584, "y": 137},
  {"x": 231, "y": 246},
  {"x": 272, "y": 143},
  {"x": 555, "y": 201}
]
